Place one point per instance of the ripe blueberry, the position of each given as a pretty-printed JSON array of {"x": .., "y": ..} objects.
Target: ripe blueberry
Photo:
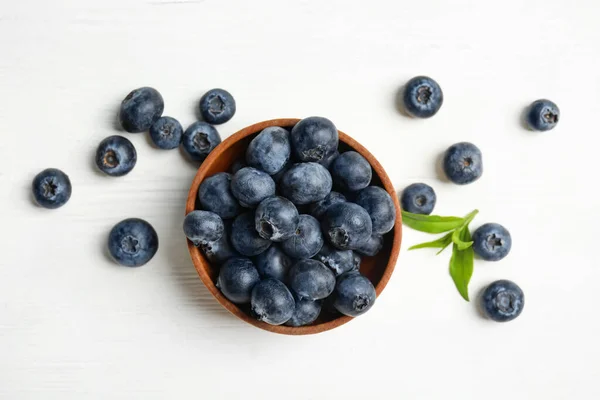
[
  {"x": 132, "y": 242},
  {"x": 314, "y": 139},
  {"x": 245, "y": 239},
  {"x": 202, "y": 227},
  {"x": 217, "y": 106},
  {"x": 542, "y": 115},
  {"x": 51, "y": 188},
  {"x": 237, "y": 278},
  {"x": 306, "y": 183},
  {"x": 311, "y": 279},
  {"x": 276, "y": 219},
  {"x": 199, "y": 140},
  {"x": 272, "y": 302},
  {"x": 492, "y": 242},
  {"x": 251, "y": 186},
  {"x": 306, "y": 240},
  {"x": 418, "y": 198},
  {"x": 166, "y": 133},
  {"x": 380, "y": 206},
  {"x": 270, "y": 150},
  {"x": 116, "y": 156},
  {"x": 422, "y": 97},
  {"x": 351, "y": 171},
  {"x": 140, "y": 109},
  {"x": 347, "y": 226},
  {"x": 502, "y": 301},
  {"x": 462, "y": 163},
  {"x": 354, "y": 294},
  {"x": 215, "y": 195}
]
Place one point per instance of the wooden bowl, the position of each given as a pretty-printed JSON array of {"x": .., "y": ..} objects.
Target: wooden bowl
[{"x": 378, "y": 269}]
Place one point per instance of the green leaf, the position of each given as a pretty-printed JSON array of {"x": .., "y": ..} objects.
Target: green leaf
[
  {"x": 457, "y": 240},
  {"x": 442, "y": 243},
  {"x": 431, "y": 223},
  {"x": 461, "y": 264}
]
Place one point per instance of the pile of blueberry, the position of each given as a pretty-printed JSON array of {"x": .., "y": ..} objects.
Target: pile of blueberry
[{"x": 284, "y": 241}]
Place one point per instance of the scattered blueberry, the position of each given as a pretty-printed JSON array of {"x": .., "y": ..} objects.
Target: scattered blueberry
[
  {"x": 372, "y": 246},
  {"x": 502, "y": 301},
  {"x": 311, "y": 279},
  {"x": 307, "y": 239},
  {"x": 422, "y": 97},
  {"x": 306, "y": 183},
  {"x": 237, "y": 165},
  {"x": 202, "y": 227},
  {"x": 542, "y": 115},
  {"x": 51, "y": 188},
  {"x": 379, "y": 205},
  {"x": 200, "y": 139},
  {"x": 244, "y": 237},
  {"x": 270, "y": 150},
  {"x": 116, "y": 156},
  {"x": 215, "y": 195},
  {"x": 314, "y": 139},
  {"x": 276, "y": 219},
  {"x": 251, "y": 186},
  {"x": 339, "y": 261},
  {"x": 351, "y": 171},
  {"x": 217, "y": 106},
  {"x": 140, "y": 109},
  {"x": 354, "y": 294},
  {"x": 305, "y": 313},
  {"x": 357, "y": 260},
  {"x": 132, "y": 242},
  {"x": 272, "y": 302},
  {"x": 418, "y": 198},
  {"x": 463, "y": 163},
  {"x": 318, "y": 209},
  {"x": 166, "y": 133},
  {"x": 273, "y": 263},
  {"x": 237, "y": 278},
  {"x": 492, "y": 242},
  {"x": 347, "y": 226}
]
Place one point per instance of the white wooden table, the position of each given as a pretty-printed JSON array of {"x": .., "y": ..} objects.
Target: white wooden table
[{"x": 73, "y": 325}]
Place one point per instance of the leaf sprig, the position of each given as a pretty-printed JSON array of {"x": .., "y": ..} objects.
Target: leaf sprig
[{"x": 461, "y": 262}]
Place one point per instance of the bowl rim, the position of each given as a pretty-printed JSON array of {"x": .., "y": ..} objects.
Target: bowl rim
[{"x": 198, "y": 259}]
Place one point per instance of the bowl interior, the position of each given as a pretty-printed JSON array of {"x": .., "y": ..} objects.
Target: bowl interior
[{"x": 378, "y": 269}]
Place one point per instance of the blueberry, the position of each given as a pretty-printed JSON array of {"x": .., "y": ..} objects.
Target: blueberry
[
  {"x": 132, "y": 242},
  {"x": 339, "y": 261},
  {"x": 542, "y": 115},
  {"x": 462, "y": 163},
  {"x": 311, "y": 279},
  {"x": 272, "y": 302},
  {"x": 273, "y": 263},
  {"x": 372, "y": 246},
  {"x": 307, "y": 239},
  {"x": 140, "y": 109},
  {"x": 305, "y": 313},
  {"x": 166, "y": 133},
  {"x": 318, "y": 209},
  {"x": 219, "y": 251},
  {"x": 215, "y": 195},
  {"x": 314, "y": 139},
  {"x": 357, "y": 260},
  {"x": 244, "y": 237},
  {"x": 51, "y": 188},
  {"x": 327, "y": 161},
  {"x": 347, "y": 226},
  {"x": 251, "y": 186},
  {"x": 276, "y": 219},
  {"x": 351, "y": 171},
  {"x": 237, "y": 165},
  {"x": 217, "y": 106},
  {"x": 502, "y": 301},
  {"x": 354, "y": 294},
  {"x": 237, "y": 277},
  {"x": 116, "y": 156},
  {"x": 379, "y": 205},
  {"x": 492, "y": 242},
  {"x": 306, "y": 183},
  {"x": 422, "y": 97},
  {"x": 203, "y": 227},
  {"x": 277, "y": 177},
  {"x": 199, "y": 140},
  {"x": 270, "y": 150},
  {"x": 418, "y": 198}
]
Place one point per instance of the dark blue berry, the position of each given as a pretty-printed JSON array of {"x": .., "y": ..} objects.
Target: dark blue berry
[
  {"x": 380, "y": 206},
  {"x": 116, "y": 156},
  {"x": 203, "y": 227},
  {"x": 354, "y": 294},
  {"x": 306, "y": 183},
  {"x": 166, "y": 133},
  {"x": 418, "y": 198},
  {"x": 237, "y": 278},
  {"x": 251, "y": 186},
  {"x": 462, "y": 163},
  {"x": 339, "y": 261},
  {"x": 199, "y": 140},
  {"x": 347, "y": 226},
  {"x": 305, "y": 313},
  {"x": 217, "y": 106},
  {"x": 51, "y": 188},
  {"x": 273, "y": 263},
  {"x": 314, "y": 139},
  {"x": 140, "y": 109},
  {"x": 132, "y": 242},
  {"x": 276, "y": 219},
  {"x": 372, "y": 246},
  {"x": 502, "y": 301},
  {"x": 318, "y": 209},
  {"x": 272, "y": 302},
  {"x": 219, "y": 251},
  {"x": 270, "y": 150},
  {"x": 357, "y": 260},
  {"x": 311, "y": 279},
  {"x": 422, "y": 97},
  {"x": 492, "y": 242},
  {"x": 215, "y": 195},
  {"x": 306, "y": 240},
  {"x": 327, "y": 161},
  {"x": 351, "y": 171},
  {"x": 245, "y": 239},
  {"x": 237, "y": 165},
  {"x": 542, "y": 115}
]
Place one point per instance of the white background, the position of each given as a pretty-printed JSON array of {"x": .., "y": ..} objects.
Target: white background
[{"x": 73, "y": 325}]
